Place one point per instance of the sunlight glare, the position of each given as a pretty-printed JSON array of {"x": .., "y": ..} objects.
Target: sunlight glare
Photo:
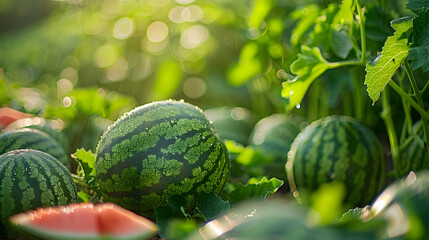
[
  {"x": 124, "y": 28},
  {"x": 194, "y": 36},
  {"x": 157, "y": 31}
]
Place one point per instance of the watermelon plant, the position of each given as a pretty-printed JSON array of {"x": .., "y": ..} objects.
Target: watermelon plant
[
  {"x": 158, "y": 150},
  {"x": 27, "y": 138},
  {"x": 337, "y": 149},
  {"x": 30, "y": 179},
  {"x": 316, "y": 59}
]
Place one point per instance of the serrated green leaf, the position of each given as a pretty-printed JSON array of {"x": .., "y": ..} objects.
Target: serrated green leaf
[
  {"x": 174, "y": 209},
  {"x": 254, "y": 189},
  {"x": 211, "y": 206},
  {"x": 86, "y": 160},
  {"x": 421, "y": 28},
  {"x": 417, "y": 4},
  {"x": 419, "y": 57},
  {"x": 395, "y": 50},
  {"x": 309, "y": 66}
]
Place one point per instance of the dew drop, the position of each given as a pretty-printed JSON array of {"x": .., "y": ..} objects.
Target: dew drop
[{"x": 298, "y": 106}]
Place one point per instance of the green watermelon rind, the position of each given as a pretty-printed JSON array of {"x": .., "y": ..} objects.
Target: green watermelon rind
[
  {"x": 30, "y": 138},
  {"x": 178, "y": 148},
  {"x": 348, "y": 143},
  {"x": 54, "y": 184}
]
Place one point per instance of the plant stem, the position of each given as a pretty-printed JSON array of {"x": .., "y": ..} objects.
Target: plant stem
[
  {"x": 391, "y": 132},
  {"x": 425, "y": 88},
  {"x": 345, "y": 63},
  {"x": 419, "y": 100},
  {"x": 362, "y": 33},
  {"x": 414, "y": 104},
  {"x": 406, "y": 106},
  {"x": 358, "y": 97}
]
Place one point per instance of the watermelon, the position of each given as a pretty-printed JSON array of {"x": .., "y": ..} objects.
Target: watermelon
[
  {"x": 231, "y": 123},
  {"x": 26, "y": 138},
  {"x": 337, "y": 149},
  {"x": 415, "y": 157},
  {"x": 30, "y": 179},
  {"x": 84, "y": 221},
  {"x": 272, "y": 136},
  {"x": 159, "y": 150}
]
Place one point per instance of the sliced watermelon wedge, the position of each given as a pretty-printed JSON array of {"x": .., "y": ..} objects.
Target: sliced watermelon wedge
[{"x": 84, "y": 221}]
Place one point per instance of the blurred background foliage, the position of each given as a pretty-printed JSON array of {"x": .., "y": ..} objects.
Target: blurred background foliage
[{"x": 84, "y": 63}]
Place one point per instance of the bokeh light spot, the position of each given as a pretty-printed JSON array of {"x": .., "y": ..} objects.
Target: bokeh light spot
[
  {"x": 105, "y": 55},
  {"x": 117, "y": 71},
  {"x": 185, "y": 2},
  {"x": 157, "y": 31},
  {"x": 64, "y": 86},
  {"x": 194, "y": 36},
  {"x": 124, "y": 28},
  {"x": 194, "y": 87}
]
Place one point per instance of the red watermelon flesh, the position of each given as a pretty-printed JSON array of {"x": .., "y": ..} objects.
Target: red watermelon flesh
[{"x": 84, "y": 221}]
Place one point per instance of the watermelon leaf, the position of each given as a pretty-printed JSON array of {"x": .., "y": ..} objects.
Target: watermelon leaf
[
  {"x": 421, "y": 28},
  {"x": 86, "y": 160},
  {"x": 309, "y": 66},
  {"x": 419, "y": 57},
  {"x": 395, "y": 50},
  {"x": 419, "y": 54},
  {"x": 417, "y": 4},
  {"x": 174, "y": 209},
  {"x": 211, "y": 206},
  {"x": 254, "y": 189}
]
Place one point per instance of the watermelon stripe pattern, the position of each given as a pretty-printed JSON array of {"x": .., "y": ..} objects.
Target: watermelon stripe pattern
[
  {"x": 32, "y": 139},
  {"x": 415, "y": 157},
  {"x": 158, "y": 150},
  {"x": 338, "y": 149},
  {"x": 30, "y": 179}
]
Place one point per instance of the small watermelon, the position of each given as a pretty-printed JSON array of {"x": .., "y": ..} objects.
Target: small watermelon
[
  {"x": 26, "y": 138},
  {"x": 84, "y": 221},
  {"x": 158, "y": 150},
  {"x": 415, "y": 157},
  {"x": 272, "y": 136},
  {"x": 30, "y": 179},
  {"x": 231, "y": 123},
  {"x": 337, "y": 149}
]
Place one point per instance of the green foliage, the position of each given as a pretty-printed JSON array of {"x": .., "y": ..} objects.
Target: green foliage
[
  {"x": 259, "y": 189},
  {"x": 417, "y": 4},
  {"x": 419, "y": 53},
  {"x": 395, "y": 50},
  {"x": 210, "y": 206},
  {"x": 86, "y": 160},
  {"x": 309, "y": 66},
  {"x": 174, "y": 216}
]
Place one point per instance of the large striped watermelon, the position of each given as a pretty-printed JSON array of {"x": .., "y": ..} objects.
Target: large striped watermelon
[
  {"x": 27, "y": 138},
  {"x": 273, "y": 137},
  {"x": 338, "y": 149},
  {"x": 158, "y": 150},
  {"x": 30, "y": 179}
]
